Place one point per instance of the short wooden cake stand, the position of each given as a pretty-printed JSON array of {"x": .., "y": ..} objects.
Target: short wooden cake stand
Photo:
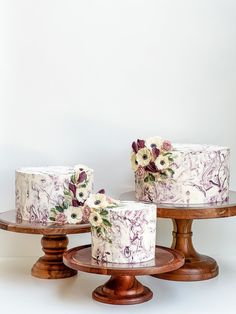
[
  {"x": 123, "y": 287},
  {"x": 54, "y": 244},
  {"x": 197, "y": 266}
]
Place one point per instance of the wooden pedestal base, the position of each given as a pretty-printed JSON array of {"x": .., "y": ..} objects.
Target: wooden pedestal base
[
  {"x": 50, "y": 266},
  {"x": 197, "y": 266},
  {"x": 122, "y": 290}
]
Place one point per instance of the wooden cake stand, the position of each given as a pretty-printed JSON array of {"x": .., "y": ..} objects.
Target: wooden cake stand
[
  {"x": 54, "y": 243},
  {"x": 197, "y": 266},
  {"x": 123, "y": 287}
]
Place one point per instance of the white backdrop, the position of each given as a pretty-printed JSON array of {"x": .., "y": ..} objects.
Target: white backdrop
[{"x": 79, "y": 80}]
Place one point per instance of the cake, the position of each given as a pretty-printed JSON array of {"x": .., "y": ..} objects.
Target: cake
[
  {"x": 52, "y": 194},
  {"x": 122, "y": 232},
  {"x": 180, "y": 173}
]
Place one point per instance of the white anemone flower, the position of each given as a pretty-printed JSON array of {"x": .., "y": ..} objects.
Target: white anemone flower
[
  {"x": 162, "y": 162},
  {"x": 143, "y": 156},
  {"x": 74, "y": 214},
  {"x": 82, "y": 194},
  {"x": 134, "y": 162},
  {"x": 97, "y": 201},
  {"x": 95, "y": 219},
  {"x": 153, "y": 142}
]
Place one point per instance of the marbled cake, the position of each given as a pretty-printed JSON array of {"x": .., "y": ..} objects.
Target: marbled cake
[
  {"x": 131, "y": 237},
  {"x": 46, "y": 194},
  {"x": 200, "y": 174}
]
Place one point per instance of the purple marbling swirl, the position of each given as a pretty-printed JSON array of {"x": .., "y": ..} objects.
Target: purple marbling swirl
[
  {"x": 201, "y": 175},
  {"x": 41, "y": 189},
  {"x": 133, "y": 234}
]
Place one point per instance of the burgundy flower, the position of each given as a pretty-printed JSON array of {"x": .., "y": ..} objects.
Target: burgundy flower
[
  {"x": 82, "y": 177},
  {"x": 135, "y": 147},
  {"x": 75, "y": 203},
  {"x": 151, "y": 167},
  {"x": 102, "y": 191},
  {"x": 72, "y": 188},
  {"x": 155, "y": 152},
  {"x": 141, "y": 144}
]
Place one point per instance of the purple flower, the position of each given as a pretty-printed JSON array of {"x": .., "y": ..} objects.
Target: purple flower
[
  {"x": 155, "y": 152},
  {"x": 135, "y": 147},
  {"x": 141, "y": 144},
  {"x": 72, "y": 188},
  {"x": 75, "y": 203},
  {"x": 151, "y": 167},
  {"x": 82, "y": 177},
  {"x": 102, "y": 191}
]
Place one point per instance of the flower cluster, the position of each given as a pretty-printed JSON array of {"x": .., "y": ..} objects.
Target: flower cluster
[
  {"x": 97, "y": 205},
  {"x": 152, "y": 159},
  {"x": 70, "y": 207}
]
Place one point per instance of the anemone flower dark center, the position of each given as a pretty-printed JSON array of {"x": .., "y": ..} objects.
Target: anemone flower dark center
[
  {"x": 162, "y": 162},
  {"x": 153, "y": 145},
  {"x": 145, "y": 156},
  {"x": 81, "y": 194},
  {"x": 97, "y": 202},
  {"x": 136, "y": 162},
  {"x": 73, "y": 215},
  {"x": 95, "y": 218}
]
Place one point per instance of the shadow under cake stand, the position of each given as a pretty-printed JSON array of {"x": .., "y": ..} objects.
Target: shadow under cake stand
[
  {"x": 54, "y": 243},
  {"x": 197, "y": 266},
  {"x": 123, "y": 287}
]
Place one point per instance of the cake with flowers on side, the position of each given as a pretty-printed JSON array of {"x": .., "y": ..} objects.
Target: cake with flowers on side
[
  {"x": 52, "y": 194},
  {"x": 122, "y": 232},
  {"x": 180, "y": 173}
]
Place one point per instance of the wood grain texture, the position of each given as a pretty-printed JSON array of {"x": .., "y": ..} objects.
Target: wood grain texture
[
  {"x": 51, "y": 266},
  {"x": 197, "y": 267},
  {"x": 123, "y": 287},
  {"x": 54, "y": 243}
]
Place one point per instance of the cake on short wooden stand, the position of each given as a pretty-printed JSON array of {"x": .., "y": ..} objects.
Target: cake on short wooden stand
[{"x": 123, "y": 287}]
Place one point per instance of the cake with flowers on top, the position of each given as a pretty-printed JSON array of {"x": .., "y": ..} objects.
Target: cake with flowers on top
[
  {"x": 122, "y": 232},
  {"x": 180, "y": 173},
  {"x": 52, "y": 194}
]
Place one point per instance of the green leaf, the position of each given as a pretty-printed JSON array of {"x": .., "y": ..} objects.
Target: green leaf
[
  {"x": 106, "y": 222},
  {"x": 99, "y": 230},
  {"x": 73, "y": 179},
  {"x": 66, "y": 192},
  {"x": 82, "y": 186},
  {"x": 168, "y": 153},
  {"x": 171, "y": 171},
  {"x": 52, "y": 218},
  {"x": 104, "y": 212},
  {"x": 59, "y": 209},
  {"x": 53, "y": 210},
  {"x": 170, "y": 159},
  {"x": 146, "y": 179},
  {"x": 151, "y": 177}
]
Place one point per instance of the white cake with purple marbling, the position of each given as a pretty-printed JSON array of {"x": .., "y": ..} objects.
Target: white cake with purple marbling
[
  {"x": 124, "y": 232},
  {"x": 52, "y": 194},
  {"x": 180, "y": 173}
]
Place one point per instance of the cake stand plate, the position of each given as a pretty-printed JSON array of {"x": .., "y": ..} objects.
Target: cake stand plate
[
  {"x": 197, "y": 266},
  {"x": 54, "y": 243},
  {"x": 123, "y": 287}
]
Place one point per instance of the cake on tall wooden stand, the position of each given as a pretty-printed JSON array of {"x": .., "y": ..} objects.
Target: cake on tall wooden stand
[{"x": 187, "y": 182}]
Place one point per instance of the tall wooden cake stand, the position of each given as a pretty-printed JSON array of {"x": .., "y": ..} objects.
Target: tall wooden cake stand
[
  {"x": 54, "y": 243},
  {"x": 197, "y": 266},
  {"x": 123, "y": 287}
]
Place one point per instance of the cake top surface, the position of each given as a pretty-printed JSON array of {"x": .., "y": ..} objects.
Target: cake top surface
[
  {"x": 53, "y": 170},
  {"x": 132, "y": 205},
  {"x": 197, "y": 147}
]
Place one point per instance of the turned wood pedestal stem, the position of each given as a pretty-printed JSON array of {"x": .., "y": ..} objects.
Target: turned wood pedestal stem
[
  {"x": 50, "y": 266},
  {"x": 197, "y": 266},
  {"x": 122, "y": 290}
]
